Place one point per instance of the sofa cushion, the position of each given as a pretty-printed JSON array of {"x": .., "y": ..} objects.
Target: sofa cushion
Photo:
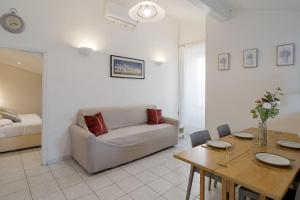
[
  {"x": 117, "y": 117},
  {"x": 133, "y": 135},
  {"x": 154, "y": 116},
  {"x": 96, "y": 124}
]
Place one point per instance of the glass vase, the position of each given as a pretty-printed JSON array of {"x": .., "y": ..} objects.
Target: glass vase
[{"x": 262, "y": 134}]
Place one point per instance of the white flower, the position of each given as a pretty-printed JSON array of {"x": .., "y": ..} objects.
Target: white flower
[
  {"x": 267, "y": 105},
  {"x": 277, "y": 103}
]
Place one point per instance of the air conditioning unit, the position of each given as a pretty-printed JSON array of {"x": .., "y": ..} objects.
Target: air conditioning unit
[{"x": 117, "y": 14}]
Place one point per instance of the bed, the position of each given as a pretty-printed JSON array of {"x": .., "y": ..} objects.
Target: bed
[{"x": 20, "y": 135}]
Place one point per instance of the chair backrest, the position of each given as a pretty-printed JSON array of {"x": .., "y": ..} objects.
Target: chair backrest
[
  {"x": 200, "y": 137},
  {"x": 297, "y": 197},
  {"x": 223, "y": 130}
]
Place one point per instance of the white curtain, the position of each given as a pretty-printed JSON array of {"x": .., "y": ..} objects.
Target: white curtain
[{"x": 192, "y": 87}]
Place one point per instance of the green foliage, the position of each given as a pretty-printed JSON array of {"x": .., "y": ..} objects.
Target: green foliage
[
  {"x": 268, "y": 106},
  {"x": 181, "y": 130}
]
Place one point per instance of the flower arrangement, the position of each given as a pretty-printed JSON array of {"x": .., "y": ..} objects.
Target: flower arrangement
[
  {"x": 268, "y": 106},
  {"x": 265, "y": 108}
]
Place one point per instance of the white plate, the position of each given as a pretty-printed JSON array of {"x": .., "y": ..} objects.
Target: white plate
[
  {"x": 244, "y": 135},
  {"x": 289, "y": 144},
  {"x": 273, "y": 159},
  {"x": 219, "y": 144}
]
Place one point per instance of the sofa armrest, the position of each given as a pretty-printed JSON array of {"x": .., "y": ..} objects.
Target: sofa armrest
[
  {"x": 79, "y": 131},
  {"x": 91, "y": 152},
  {"x": 171, "y": 121},
  {"x": 80, "y": 145}
]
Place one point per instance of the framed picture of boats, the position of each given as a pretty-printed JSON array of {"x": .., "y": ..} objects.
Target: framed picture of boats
[{"x": 123, "y": 67}]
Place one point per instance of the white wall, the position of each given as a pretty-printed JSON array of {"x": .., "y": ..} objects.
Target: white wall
[
  {"x": 230, "y": 94},
  {"x": 20, "y": 90},
  {"x": 72, "y": 81},
  {"x": 192, "y": 31}
]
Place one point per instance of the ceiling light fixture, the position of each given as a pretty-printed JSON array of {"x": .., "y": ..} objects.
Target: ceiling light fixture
[{"x": 147, "y": 11}]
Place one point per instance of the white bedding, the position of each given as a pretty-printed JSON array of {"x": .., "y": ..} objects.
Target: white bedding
[{"x": 30, "y": 124}]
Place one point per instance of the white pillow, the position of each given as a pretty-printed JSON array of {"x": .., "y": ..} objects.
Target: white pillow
[{"x": 5, "y": 122}]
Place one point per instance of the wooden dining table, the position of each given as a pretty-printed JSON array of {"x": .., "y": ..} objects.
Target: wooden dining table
[{"x": 238, "y": 165}]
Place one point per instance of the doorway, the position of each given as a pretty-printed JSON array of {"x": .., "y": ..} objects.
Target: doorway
[
  {"x": 192, "y": 87},
  {"x": 21, "y": 83}
]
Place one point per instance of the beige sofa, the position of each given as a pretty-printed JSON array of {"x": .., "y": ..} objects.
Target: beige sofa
[{"x": 129, "y": 137}]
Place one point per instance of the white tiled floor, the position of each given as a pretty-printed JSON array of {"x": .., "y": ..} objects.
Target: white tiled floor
[{"x": 156, "y": 177}]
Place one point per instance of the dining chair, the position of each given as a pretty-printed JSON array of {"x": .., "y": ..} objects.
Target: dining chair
[
  {"x": 290, "y": 195},
  {"x": 298, "y": 192},
  {"x": 223, "y": 130},
  {"x": 244, "y": 193},
  {"x": 198, "y": 138}
]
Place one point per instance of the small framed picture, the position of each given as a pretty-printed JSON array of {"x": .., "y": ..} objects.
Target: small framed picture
[
  {"x": 250, "y": 58},
  {"x": 223, "y": 61},
  {"x": 123, "y": 67},
  {"x": 285, "y": 54}
]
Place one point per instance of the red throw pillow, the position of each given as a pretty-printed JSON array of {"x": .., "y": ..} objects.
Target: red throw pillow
[
  {"x": 154, "y": 116},
  {"x": 96, "y": 124}
]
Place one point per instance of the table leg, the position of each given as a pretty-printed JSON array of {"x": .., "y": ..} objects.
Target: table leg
[
  {"x": 224, "y": 189},
  {"x": 227, "y": 187},
  {"x": 231, "y": 191},
  {"x": 202, "y": 184},
  {"x": 262, "y": 197}
]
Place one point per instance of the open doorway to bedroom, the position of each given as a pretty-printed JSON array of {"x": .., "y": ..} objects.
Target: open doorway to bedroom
[{"x": 20, "y": 101}]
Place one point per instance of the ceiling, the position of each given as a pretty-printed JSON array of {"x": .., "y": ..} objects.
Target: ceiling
[
  {"x": 20, "y": 59},
  {"x": 185, "y": 10},
  {"x": 268, "y": 5},
  {"x": 179, "y": 9}
]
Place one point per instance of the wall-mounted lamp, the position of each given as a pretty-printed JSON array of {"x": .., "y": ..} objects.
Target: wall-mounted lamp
[
  {"x": 159, "y": 63},
  {"x": 159, "y": 57},
  {"x": 85, "y": 51}
]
